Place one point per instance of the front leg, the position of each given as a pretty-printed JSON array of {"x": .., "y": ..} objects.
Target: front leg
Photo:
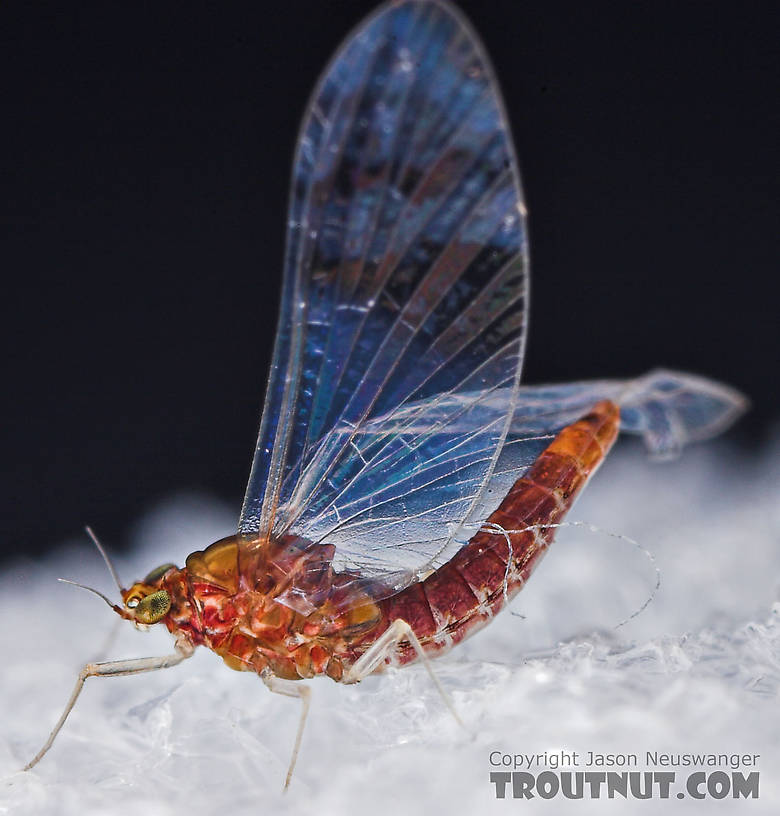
[
  {"x": 114, "y": 668},
  {"x": 290, "y": 688},
  {"x": 384, "y": 647}
]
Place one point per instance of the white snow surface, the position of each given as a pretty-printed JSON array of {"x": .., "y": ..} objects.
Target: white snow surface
[{"x": 697, "y": 671}]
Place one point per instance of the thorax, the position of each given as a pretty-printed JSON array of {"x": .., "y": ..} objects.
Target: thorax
[{"x": 270, "y": 605}]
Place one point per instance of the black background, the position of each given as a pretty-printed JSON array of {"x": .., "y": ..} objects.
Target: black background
[{"x": 144, "y": 158}]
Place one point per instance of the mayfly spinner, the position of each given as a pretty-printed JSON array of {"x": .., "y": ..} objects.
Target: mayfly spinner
[{"x": 405, "y": 484}]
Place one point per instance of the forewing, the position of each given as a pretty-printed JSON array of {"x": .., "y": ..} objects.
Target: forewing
[
  {"x": 403, "y": 307},
  {"x": 397, "y": 529}
]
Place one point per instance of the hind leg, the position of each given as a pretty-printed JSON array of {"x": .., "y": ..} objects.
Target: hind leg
[{"x": 385, "y": 646}]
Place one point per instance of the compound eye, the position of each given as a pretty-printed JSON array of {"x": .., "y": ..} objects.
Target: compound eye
[
  {"x": 158, "y": 573},
  {"x": 153, "y": 607}
]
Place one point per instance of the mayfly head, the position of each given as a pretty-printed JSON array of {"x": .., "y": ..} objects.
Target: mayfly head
[
  {"x": 147, "y": 602},
  {"x": 143, "y": 604}
]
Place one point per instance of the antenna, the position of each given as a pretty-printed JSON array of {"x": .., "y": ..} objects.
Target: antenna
[
  {"x": 105, "y": 558},
  {"x": 89, "y": 589}
]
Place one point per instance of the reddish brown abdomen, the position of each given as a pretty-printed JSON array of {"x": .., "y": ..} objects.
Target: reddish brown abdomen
[{"x": 464, "y": 594}]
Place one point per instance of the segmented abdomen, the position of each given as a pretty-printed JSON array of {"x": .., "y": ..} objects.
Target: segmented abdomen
[{"x": 466, "y": 592}]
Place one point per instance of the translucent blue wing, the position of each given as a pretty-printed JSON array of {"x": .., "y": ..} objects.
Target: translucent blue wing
[
  {"x": 405, "y": 285},
  {"x": 400, "y": 531},
  {"x": 394, "y": 423},
  {"x": 668, "y": 409}
]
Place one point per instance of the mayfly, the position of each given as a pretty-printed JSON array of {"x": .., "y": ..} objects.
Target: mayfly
[{"x": 405, "y": 484}]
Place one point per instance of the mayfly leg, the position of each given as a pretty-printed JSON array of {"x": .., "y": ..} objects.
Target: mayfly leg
[
  {"x": 290, "y": 688},
  {"x": 398, "y": 631},
  {"x": 113, "y": 668}
]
